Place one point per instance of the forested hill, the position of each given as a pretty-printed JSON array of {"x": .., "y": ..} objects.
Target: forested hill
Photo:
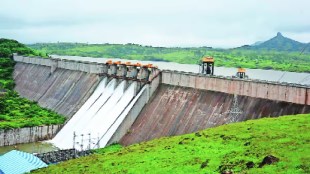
[
  {"x": 281, "y": 43},
  {"x": 17, "y": 112}
]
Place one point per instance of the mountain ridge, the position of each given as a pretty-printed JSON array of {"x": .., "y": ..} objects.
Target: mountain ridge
[{"x": 279, "y": 43}]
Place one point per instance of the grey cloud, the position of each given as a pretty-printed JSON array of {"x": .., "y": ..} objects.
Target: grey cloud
[{"x": 159, "y": 22}]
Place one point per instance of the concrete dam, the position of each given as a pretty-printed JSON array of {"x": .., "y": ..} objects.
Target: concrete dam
[{"x": 119, "y": 102}]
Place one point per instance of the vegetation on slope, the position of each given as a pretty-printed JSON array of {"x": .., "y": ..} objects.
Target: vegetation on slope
[
  {"x": 239, "y": 147},
  {"x": 16, "y": 112},
  {"x": 241, "y": 57}
]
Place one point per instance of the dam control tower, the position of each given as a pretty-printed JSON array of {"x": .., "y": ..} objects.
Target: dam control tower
[
  {"x": 207, "y": 65},
  {"x": 241, "y": 73}
]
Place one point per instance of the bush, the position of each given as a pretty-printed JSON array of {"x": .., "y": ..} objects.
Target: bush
[{"x": 5, "y": 52}]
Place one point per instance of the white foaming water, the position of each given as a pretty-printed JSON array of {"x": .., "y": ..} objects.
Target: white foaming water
[
  {"x": 98, "y": 119},
  {"x": 104, "y": 110},
  {"x": 64, "y": 139},
  {"x": 109, "y": 133},
  {"x": 102, "y": 100},
  {"x": 109, "y": 119},
  {"x": 97, "y": 93}
]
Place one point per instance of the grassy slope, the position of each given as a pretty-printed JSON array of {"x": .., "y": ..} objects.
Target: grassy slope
[
  {"x": 228, "y": 147},
  {"x": 288, "y": 61},
  {"x": 16, "y": 112}
]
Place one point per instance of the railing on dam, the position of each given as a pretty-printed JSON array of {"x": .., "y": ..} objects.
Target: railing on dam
[
  {"x": 89, "y": 67},
  {"x": 293, "y": 93}
]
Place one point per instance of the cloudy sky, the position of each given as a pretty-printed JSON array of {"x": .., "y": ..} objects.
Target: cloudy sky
[{"x": 216, "y": 23}]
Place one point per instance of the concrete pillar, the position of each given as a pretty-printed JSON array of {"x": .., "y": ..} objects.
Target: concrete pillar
[
  {"x": 307, "y": 100},
  {"x": 132, "y": 72},
  {"x": 121, "y": 70},
  {"x": 104, "y": 68},
  {"x": 54, "y": 65},
  {"x": 112, "y": 69},
  {"x": 144, "y": 74}
]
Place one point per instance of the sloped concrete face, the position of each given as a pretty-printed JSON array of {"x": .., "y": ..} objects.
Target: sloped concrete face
[
  {"x": 63, "y": 91},
  {"x": 175, "y": 110}
]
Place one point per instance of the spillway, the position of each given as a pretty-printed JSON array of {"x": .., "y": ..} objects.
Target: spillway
[
  {"x": 90, "y": 127},
  {"x": 67, "y": 131}
]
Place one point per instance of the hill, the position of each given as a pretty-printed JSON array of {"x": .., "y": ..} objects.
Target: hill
[
  {"x": 247, "y": 58},
  {"x": 17, "y": 112},
  {"x": 240, "y": 147},
  {"x": 281, "y": 43}
]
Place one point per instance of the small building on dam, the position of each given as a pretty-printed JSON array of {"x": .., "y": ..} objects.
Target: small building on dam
[{"x": 131, "y": 103}]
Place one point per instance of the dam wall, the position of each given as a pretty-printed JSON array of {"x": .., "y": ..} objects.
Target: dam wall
[
  {"x": 88, "y": 67},
  {"x": 142, "y": 99},
  {"x": 287, "y": 92},
  {"x": 175, "y": 110},
  {"x": 124, "y": 70},
  {"x": 27, "y": 134},
  {"x": 67, "y": 87},
  {"x": 63, "y": 91},
  {"x": 169, "y": 103}
]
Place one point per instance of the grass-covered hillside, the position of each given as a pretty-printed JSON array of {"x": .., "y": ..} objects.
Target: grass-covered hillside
[
  {"x": 16, "y": 112},
  {"x": 248, "y": 58},
  {"x": 238, "y": 148}
]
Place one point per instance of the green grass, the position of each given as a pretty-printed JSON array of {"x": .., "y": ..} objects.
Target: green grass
[
  {"x": 227, "y": 147},
  {"x": 279, "y": 60}
]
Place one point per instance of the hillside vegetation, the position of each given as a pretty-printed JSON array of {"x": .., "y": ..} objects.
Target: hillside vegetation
[
  {"x": 240, "y": 148},
  {"x": 278, "y": 53},
  {"x": 16, "y": 112}
]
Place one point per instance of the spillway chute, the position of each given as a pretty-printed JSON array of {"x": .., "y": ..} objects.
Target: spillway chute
[{"x": 75, "y": 118}]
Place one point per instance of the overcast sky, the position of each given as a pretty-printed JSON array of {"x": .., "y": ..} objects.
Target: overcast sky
[{"x": 216, "y": 23}]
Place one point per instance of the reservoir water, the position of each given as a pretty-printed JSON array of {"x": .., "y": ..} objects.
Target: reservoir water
[{"x": 270, "y": 75}]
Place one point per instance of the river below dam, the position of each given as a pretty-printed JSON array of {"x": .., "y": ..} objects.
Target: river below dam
[
  {"x": 270, "y": 75},
  {"x": 37, "y": 147}
]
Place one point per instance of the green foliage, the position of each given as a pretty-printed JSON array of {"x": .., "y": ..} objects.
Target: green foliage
[
  {"x": 16, "y": 112},
  {"x": 225, "y": 148},
  {"x": 7, "y": 48},
  {"x": 247, "y": 58}
]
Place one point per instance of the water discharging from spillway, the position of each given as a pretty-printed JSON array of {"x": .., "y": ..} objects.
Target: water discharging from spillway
[{"x": 97, "y": 120}]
